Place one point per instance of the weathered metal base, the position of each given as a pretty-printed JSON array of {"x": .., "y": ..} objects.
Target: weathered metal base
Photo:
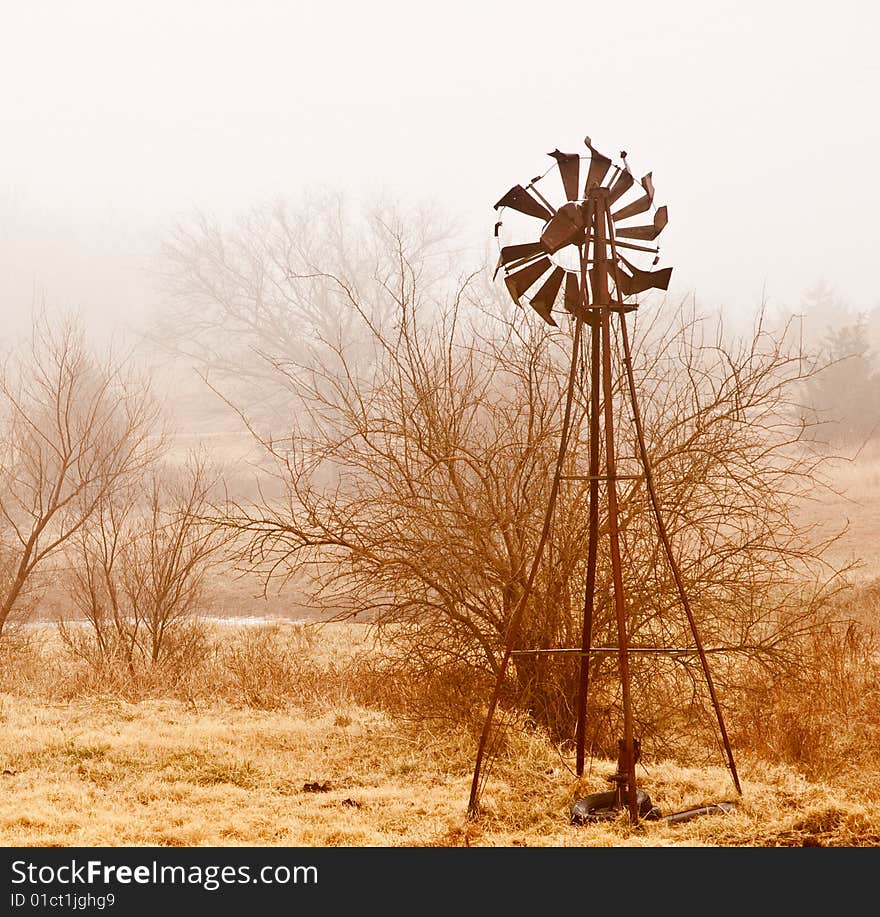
[
  {"x": 677, "y": 818},
  {"x": 606, "y": 807}
]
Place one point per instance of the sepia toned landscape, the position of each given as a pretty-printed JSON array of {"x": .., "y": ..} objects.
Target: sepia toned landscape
[
  {"x": 187, "y": 666},
  {"x": 333, "y": 515}
]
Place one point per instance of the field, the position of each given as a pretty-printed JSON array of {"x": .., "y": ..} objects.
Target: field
[
  {"x": 104, "y": 772},
  {"x": 316, "y": 752},
  {"x": 282, "y": 733},
  {"x": 366, "y": 467}
]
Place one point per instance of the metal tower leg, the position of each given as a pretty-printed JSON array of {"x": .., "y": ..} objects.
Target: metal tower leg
[
  {"x": 602, "y": 299},
  {"x": 661, "y": 525},
  {"x": 592, "y": 548}
]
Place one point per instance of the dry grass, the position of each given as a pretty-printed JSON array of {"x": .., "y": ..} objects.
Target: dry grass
[
  {"x": 104, "y": 772},
  {"x": 219, "y": 752},
  {"x": 225, "y": 756}
]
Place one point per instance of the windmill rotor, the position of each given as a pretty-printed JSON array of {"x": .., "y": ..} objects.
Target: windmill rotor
[{"x": 544, "y": 238}]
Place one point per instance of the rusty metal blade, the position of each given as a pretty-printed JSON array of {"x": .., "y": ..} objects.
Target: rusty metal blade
[
  {"x": 645, "y": 232},
  {"x": 637, "y": 248},
  {"x": 640, "y": 205},
  {"x": 643, "y": 280},
  {"x": 520, "y": 281},
  {"x": 599, "y": 166},
  {"x": 510, "y": 253},
  {"x": 569, "y": 171},
  {"x": 516, "y": 265},
  {"x": 547, "y": 317},
  {"x": 639, "y": 232},
  {"x": 572, "y": 299},
  {"x": 520, "y": 199},
  {"x": 542, "y": 301},
  {"x": 623, "y": 183}
]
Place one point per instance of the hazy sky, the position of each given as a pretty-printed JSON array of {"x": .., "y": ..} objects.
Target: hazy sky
[{"x": 758, "y": 120}]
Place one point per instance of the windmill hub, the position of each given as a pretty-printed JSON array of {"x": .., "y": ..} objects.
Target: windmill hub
[{"x": 565, "y": 227}]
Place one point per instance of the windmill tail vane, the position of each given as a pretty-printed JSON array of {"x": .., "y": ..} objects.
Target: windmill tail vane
[{"x": 581, "y": 246}]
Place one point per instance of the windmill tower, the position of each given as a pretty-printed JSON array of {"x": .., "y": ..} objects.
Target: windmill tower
[{"x": 580, "y": 259}]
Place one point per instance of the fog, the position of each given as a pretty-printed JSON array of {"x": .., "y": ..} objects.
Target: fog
[{"x": 758, "y": 121}]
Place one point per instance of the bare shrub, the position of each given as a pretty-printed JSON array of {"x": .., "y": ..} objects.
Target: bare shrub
[
  {"x": 261, "y": 667},
  {"x": 24, "y": 661},
  {"x": 138, "y": 579},
  {"x": 73, "y": 430},
  {"x": 315, "y": 668},
  {"x": 444, "y": 697},
  {"x": 415, "y": 497},
  {"x": 410, "y": 490},
  {"x": 183, "y": 672}
]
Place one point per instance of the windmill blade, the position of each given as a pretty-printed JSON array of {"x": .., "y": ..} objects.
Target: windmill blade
[
  {"x": 520, "y": 199},
  {"x": 623, "y": 183},
  {"x": 569, "y": 171},
  {"x": 528, "y": 250},
  {"x": 527, "y": 253},
  {"x": 599, "y": 166},
  {"x": 542, "y": 301},
  {"x": 572, "y": 299},
  {"x": 642, "y": 280},
  {"x": 639, "y": 206},
  {"x": 646, "y": 232},
  {"x": 520, "y": 281},
  {"x": 516, "y": 265},
  {"x": 510, "y": 259}
]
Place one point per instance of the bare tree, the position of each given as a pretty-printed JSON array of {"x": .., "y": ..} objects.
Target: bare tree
[
  {"x": 843, "y": 399},
  {"x": 246, "y": 296},
  {"x": 414, "y": 489},
  {"x": 75, "y": 428},
  {"x": 845, "y": 395},
  {"x": 139, "y": 571},
  {"x": 415, "y": 496}
]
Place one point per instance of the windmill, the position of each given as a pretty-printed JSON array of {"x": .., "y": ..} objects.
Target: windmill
[{"x": 580, "y": 245}]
